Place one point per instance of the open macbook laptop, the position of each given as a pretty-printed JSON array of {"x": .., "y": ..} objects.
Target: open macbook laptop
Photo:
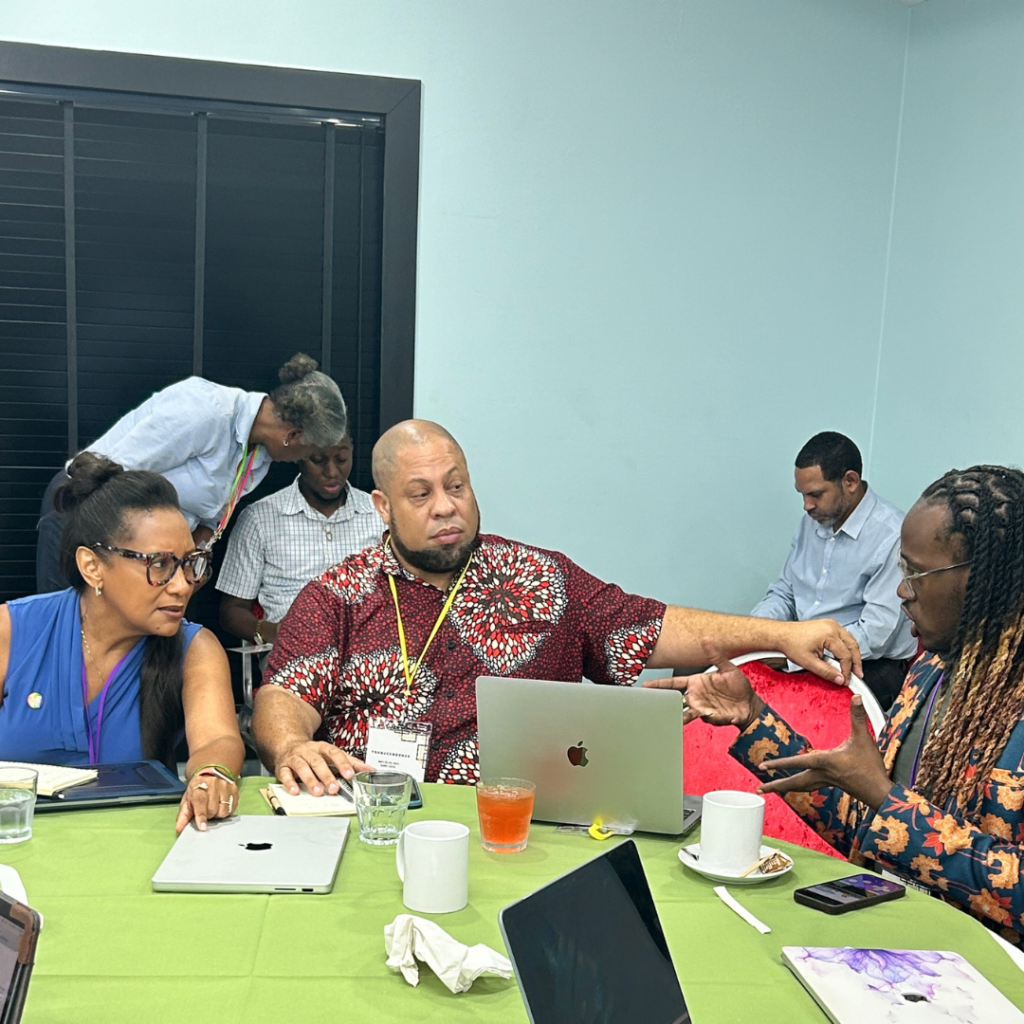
[
  {"x": 612, "y": 754},
  {"x": 589, "y": 947},
  {"x": 255, "y": 853}
]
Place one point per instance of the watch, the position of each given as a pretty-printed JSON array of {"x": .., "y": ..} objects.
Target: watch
[{"x": 257, "y": 637}]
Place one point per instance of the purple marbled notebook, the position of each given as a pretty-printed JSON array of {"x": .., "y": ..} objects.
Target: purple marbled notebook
[{"x": 893, "y": 986}]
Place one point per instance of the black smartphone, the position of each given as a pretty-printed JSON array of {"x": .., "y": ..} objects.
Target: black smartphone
[{"x": 851, "y": 893}]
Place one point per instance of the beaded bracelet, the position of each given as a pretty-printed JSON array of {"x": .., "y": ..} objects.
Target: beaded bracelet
[{"x": 219, "y": 770}]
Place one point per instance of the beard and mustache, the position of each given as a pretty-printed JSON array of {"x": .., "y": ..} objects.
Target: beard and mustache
[{"x": 440, "y": 559}]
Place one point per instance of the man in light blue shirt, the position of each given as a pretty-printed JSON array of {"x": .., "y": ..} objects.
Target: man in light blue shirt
[{"x": 843, "y": 562}]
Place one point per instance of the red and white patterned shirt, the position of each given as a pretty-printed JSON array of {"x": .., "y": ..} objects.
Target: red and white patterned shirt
[{"x": 521, "y": 612}]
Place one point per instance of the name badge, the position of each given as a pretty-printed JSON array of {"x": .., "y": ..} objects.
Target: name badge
[{"x": 399, "y": 748}]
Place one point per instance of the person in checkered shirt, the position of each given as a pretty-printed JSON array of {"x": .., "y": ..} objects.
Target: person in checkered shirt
[{"x": 283, "y": 541}]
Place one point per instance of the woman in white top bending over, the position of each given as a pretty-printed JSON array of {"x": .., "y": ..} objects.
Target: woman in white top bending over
[{"x": 213, "y": 443}]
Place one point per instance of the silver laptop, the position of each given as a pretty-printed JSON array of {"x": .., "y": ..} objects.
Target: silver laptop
[
  {"x": 255, "y": 853},
  {"x": 596, "y": 753}
]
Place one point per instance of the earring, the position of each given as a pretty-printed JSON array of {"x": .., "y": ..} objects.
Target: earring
[
  {"x": 286, "y": 442},
  {"x": 99, "y": 590}
]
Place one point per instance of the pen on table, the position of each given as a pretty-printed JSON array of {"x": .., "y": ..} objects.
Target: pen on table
[{"x": 275, "y": 803}]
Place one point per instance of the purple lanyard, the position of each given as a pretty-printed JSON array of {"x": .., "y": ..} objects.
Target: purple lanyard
[
  {"x": 94, "y": 740},
  {"x": 924, "y": 731}
]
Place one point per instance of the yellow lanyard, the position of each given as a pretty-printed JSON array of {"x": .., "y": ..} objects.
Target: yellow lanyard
[{"x": 411, "y": 676}]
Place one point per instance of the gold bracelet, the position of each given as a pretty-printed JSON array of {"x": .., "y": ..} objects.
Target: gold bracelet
[{"x": 216, "y": 769}]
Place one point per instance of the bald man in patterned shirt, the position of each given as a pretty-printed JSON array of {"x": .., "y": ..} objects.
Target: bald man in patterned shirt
[{"x": 470, "y": 604}]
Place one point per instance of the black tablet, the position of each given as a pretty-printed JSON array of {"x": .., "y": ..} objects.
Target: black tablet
[
  {"x": 121, "y": 782},
  {"x": 19, "y": 928},
  {"x": 588, "y": 948}
]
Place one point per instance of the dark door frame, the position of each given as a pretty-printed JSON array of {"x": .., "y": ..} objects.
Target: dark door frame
[{"x": 396, "y": 100}]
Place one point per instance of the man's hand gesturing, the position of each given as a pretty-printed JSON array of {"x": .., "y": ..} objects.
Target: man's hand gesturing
[
  {"x": 855, "y": 766},
  {"x": 724, "y": 697}
]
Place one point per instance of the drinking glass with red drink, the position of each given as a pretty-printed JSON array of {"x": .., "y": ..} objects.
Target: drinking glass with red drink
[{"x": 505, "y": 807}]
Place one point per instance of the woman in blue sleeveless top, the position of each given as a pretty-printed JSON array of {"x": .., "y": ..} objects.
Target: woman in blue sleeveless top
[{"x": 110, "y": 670}]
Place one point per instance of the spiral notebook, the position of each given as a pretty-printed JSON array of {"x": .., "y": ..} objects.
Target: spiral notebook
[{"x": 916, "y": 986}]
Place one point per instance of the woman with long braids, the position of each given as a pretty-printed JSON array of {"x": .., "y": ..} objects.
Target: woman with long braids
[
  {"x": 939, "y": 800},
  {"x": 109, "y": 669}
]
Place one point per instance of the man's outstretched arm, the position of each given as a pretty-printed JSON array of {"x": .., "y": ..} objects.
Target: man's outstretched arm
[{"x": 684, "y": 629}]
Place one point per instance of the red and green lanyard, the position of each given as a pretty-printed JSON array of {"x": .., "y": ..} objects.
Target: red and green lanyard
[{"x": 242, "y": 475}]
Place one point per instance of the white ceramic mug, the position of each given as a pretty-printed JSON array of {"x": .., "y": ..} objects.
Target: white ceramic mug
[
  {"x": 730, "y": 830},
  {"x": 433, "y": 863}
]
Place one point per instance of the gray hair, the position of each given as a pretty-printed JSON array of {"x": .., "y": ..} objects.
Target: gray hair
[{"x": 310, "y": 401}]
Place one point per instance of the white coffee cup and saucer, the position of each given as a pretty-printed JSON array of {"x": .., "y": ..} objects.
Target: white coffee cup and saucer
[{"x": 730, "y": 833}]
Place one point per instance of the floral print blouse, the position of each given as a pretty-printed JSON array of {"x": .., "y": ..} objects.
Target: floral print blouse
[{"x": 970, "y": 858}]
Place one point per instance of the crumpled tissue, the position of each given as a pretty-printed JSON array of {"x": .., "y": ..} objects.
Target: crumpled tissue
[{"x": 409, "y": 938}]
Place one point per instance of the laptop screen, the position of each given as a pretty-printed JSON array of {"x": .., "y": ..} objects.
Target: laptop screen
[{"x": 589, "y": 949}]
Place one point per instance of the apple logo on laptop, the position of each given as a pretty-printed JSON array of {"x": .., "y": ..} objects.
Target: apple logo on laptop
[{"x": 578, "y": 755}]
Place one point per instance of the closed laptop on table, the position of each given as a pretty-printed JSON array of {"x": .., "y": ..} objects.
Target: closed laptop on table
[
  {"x": 608, "y": 754},
  {"x": 898, "y": 986},
  {"x": 255, "y": 853}
]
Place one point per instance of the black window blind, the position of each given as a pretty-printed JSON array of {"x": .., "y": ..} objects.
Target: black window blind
[
  {"x": 144, "y": 239},
  {"x": 33, "y": 327},
  {"x": 135, "y": 181}
]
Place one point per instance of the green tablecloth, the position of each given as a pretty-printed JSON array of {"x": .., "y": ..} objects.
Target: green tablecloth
[{"x": 114, "y": 951}]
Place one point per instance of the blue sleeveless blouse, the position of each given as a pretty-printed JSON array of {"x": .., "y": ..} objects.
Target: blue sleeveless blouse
[{"x": 42, "y": 717}]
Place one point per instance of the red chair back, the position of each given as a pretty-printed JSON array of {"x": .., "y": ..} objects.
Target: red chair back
[{"x": 818, "y": 709}]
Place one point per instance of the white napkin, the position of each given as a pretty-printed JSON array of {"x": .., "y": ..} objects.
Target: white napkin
[{"x": 408, "y": 939}]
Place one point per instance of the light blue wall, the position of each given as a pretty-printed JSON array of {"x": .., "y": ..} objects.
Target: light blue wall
[
  {"x": 953, "y": 350},
  {"x": 653, "y": 243}
]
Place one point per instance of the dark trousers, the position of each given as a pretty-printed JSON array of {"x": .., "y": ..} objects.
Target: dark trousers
[
  {"x": 50, "y": 528},
  {"x": 884, "y": 678}
]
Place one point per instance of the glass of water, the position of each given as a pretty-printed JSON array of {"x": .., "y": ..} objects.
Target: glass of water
[
  {"x": 17, "y": 802},
  {"x": 382, "y": 798}
]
